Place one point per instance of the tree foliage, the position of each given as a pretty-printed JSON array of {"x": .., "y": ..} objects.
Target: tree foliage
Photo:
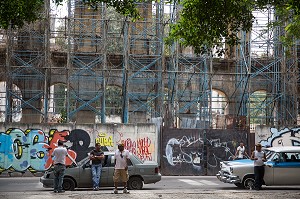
[
  {"x": 18, "y": 12},
  {"x": 203, "y": 24}
]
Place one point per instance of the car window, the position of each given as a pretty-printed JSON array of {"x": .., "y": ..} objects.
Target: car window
[
  {"x": 290, "y": 157},
  {"x": 137, "y": 158},
  {"x": 112, "y": 161},
  {"x": 276, "y": 157}
]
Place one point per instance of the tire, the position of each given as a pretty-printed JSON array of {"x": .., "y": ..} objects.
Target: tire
[
  {"x": 135, "y": 183},
  {"x": 68, "y": 184},
  {"x": 249, "y": 182},
  {"x": 239, "y": 185}
]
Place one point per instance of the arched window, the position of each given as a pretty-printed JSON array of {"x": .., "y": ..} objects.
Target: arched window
[
  {"x": 16, "y": 104},
  {"x": 219, "y": 108},
  {"x": 57, "y": 103},
  {"x": 258, "y": 107}
]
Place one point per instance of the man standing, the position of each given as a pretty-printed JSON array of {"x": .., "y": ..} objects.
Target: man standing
[
  {"x": 59, "y": 155},
  {"x": 259, "y": 158},
  {"x": 121, "y": 168},
  {"x": 240, "y": 152},
  {"x": 96, "y": 156}
]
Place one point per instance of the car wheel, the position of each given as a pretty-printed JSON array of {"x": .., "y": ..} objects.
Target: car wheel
[
  {"x": 68, "y": 184},
  {"x": 239, "y": 185},
  {"x": 135, "y": 183},
  {"x": 249, "y": 182}
]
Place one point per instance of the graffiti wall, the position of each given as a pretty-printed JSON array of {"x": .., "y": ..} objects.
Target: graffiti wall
[
  {"x": 30, "y": 148},
  {"x": 197, "y": 152},
  {"x": 281, "y": 137},
  {"x": 222, "y": 145}
]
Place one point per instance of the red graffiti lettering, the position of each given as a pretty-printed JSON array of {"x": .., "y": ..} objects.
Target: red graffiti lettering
[
  {"x": 143, "y": 148},
  {"x": 130, "y": 145},
  {"x": 54, "y": 136}
]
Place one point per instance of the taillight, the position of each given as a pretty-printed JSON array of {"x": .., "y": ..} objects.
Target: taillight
[{"x": 156, "y": 170}]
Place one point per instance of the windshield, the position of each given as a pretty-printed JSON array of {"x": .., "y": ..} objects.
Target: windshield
[
  {"x": 269, "y": 154},
  {"x": 83, "y": 161}
]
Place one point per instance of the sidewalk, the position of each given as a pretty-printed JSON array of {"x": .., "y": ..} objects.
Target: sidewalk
[
  {"x": 163, "y": 194},
  {"x": 6, "y": 174}
]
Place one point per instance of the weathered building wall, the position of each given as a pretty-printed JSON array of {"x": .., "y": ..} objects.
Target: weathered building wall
[{"x": 29, "y": 146}]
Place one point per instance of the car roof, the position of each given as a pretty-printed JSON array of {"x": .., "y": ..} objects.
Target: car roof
[{"x": 284, "y": 149}]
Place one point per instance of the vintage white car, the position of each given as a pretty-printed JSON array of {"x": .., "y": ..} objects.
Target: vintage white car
[{"x": 281, "y": 168}]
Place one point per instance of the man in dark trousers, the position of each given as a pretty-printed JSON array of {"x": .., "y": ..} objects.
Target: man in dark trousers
[
  {"x": 96, "y": 156},
  {"x": 59, "y": 156},
  {"x": 259, "y": 158}
]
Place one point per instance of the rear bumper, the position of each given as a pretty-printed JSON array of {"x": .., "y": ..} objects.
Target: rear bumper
[
  {"x": 227, "y": 178},
  {"x": 47, "y": 183},
  {"x": 148, "y": 179}
]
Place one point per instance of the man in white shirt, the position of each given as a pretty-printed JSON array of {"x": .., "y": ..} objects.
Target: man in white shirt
[
  {"x": 121, "y": 168},
  {"x": 259, "y": 158},
  {"x": 240, "y": 152},
  {"x": 59, "y": 155}
]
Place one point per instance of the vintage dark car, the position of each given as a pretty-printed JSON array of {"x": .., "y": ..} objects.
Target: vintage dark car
[
  {"x": 80, "y": 176},
  {"x": 282, "y": 168}
]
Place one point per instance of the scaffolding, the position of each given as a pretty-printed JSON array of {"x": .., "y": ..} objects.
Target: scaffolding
[{"x": 88, "y": 65}]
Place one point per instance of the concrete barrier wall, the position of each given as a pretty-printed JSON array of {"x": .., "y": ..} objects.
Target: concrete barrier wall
[
  {"x": 284, "y": 136},
  {"x": 198, "y": 152},
  {"x": 29, "y": 147}
]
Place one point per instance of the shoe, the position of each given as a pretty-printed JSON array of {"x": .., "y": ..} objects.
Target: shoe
[
  {"x": 62, "y": 191},
  {"x": 125, "y": 191},
  {"x": 115, "y": 191},
  {"x": 55, "y": 191},
  {"x": 94, "y": 189}
]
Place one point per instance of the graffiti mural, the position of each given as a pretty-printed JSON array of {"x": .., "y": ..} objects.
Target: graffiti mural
[
  {"x": 197, "y": 152},
  {"x": 283, "y": 137},
  {"x": 222, "y": 145},
  {"x": 183, "y": 152},
  {"x": 141, "y": 147},
  {"x": 31, "y": 149},
  {"x": 105, "y": 140},
  {"x": 79, "y": 141}
]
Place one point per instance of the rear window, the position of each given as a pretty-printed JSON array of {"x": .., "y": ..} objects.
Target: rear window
[{"x": 137, "y": 158}]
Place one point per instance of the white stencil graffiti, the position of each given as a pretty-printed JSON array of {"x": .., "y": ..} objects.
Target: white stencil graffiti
[
  {"x": 216, "y": 143},
  {"x": 284, "y": 137},
  {"x": 184, "y": 151}
]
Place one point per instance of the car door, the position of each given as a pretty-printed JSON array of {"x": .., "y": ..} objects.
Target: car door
[
  {"x": 287, "y": 171},
  {"x": 111, "y": 169},
  {"x": 105, "y": 172},
  {"x": 85, "y": 175}
]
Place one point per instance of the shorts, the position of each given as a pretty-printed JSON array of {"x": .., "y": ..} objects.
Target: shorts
[{"x": 121, "y": 174}]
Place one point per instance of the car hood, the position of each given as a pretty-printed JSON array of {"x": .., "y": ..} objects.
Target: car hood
[{"x": 238, "y": 162}]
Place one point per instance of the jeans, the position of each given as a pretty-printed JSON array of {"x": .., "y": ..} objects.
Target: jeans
[
  {"x": 96, "y": 174},
  {"x": 59, "y": 172},
  {"x": 259, "y": 172}
]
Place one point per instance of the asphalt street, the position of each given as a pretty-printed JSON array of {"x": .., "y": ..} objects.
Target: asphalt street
[{"x": 172, "y": 187}]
